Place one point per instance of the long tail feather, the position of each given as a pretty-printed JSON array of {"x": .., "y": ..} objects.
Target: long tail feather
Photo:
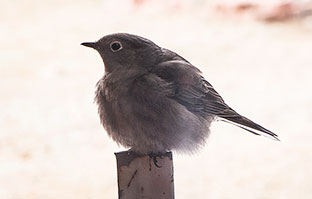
[{"x": 250, "y": 126}]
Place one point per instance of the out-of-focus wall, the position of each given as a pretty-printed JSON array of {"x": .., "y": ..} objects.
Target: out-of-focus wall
[{"x": 53, "y": 146}]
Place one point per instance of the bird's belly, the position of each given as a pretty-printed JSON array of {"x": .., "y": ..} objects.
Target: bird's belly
[{"x": 147, "y": 125}]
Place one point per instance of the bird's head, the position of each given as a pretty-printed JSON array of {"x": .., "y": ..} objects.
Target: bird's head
[{"x": 122, "y": 50}]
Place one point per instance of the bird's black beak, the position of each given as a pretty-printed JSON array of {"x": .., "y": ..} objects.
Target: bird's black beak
[{"x": 89, "y": 44}]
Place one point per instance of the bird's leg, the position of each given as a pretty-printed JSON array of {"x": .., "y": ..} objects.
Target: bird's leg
[
  {"x": 154, "y": 156},
  {"x": 130, "y": 151}
]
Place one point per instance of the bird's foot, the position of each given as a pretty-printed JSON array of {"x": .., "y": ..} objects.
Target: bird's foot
[
  {"x": 130, "y": 151},
  {"x": 154, "y": 156}
]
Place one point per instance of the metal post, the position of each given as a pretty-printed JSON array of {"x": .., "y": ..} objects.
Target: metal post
[{"x": 139, "y": 177}]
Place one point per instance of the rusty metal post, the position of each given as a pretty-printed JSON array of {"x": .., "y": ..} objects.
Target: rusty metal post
[{"x": 139, "y": 177}]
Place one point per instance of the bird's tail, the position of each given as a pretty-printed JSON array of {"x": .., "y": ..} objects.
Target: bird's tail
[{"x": 248, "y": 125}]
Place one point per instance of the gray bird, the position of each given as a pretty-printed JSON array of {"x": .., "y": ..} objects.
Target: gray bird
[{"x": 152, "y": 100}]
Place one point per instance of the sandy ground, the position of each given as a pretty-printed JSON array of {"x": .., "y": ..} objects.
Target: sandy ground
[{"x": 52, "y": 145}]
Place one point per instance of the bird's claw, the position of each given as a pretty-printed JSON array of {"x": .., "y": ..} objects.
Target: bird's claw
[{"x": 154, "y": 156}]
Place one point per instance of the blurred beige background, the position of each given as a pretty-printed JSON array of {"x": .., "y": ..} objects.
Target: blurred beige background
[{"x": 52, "y": 145}]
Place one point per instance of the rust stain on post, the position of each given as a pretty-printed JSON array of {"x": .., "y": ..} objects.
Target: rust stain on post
[{"x": 139, "y": 177}]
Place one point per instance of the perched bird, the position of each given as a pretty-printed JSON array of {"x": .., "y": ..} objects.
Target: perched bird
[{"x": 152, "y": 100}]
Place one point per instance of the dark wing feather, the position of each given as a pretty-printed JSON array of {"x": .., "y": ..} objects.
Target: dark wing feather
[{"x": 198, "y": 95}]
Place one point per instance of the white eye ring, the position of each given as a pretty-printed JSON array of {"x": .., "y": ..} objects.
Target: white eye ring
[{"x": 115, "y": 46}]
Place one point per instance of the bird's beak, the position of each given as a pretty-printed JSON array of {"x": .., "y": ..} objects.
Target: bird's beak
[{"x": 89, "y": 44}]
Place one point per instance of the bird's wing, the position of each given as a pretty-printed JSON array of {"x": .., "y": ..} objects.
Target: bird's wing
[
  {"x": 198, "y": 95},
  {"x": 191, "y": 89}
]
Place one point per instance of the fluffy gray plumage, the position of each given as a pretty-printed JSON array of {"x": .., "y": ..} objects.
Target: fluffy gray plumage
[{"x": 152, "y": 100}]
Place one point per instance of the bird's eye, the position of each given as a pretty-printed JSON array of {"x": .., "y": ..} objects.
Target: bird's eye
[{"x": 115, "y": 46}]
